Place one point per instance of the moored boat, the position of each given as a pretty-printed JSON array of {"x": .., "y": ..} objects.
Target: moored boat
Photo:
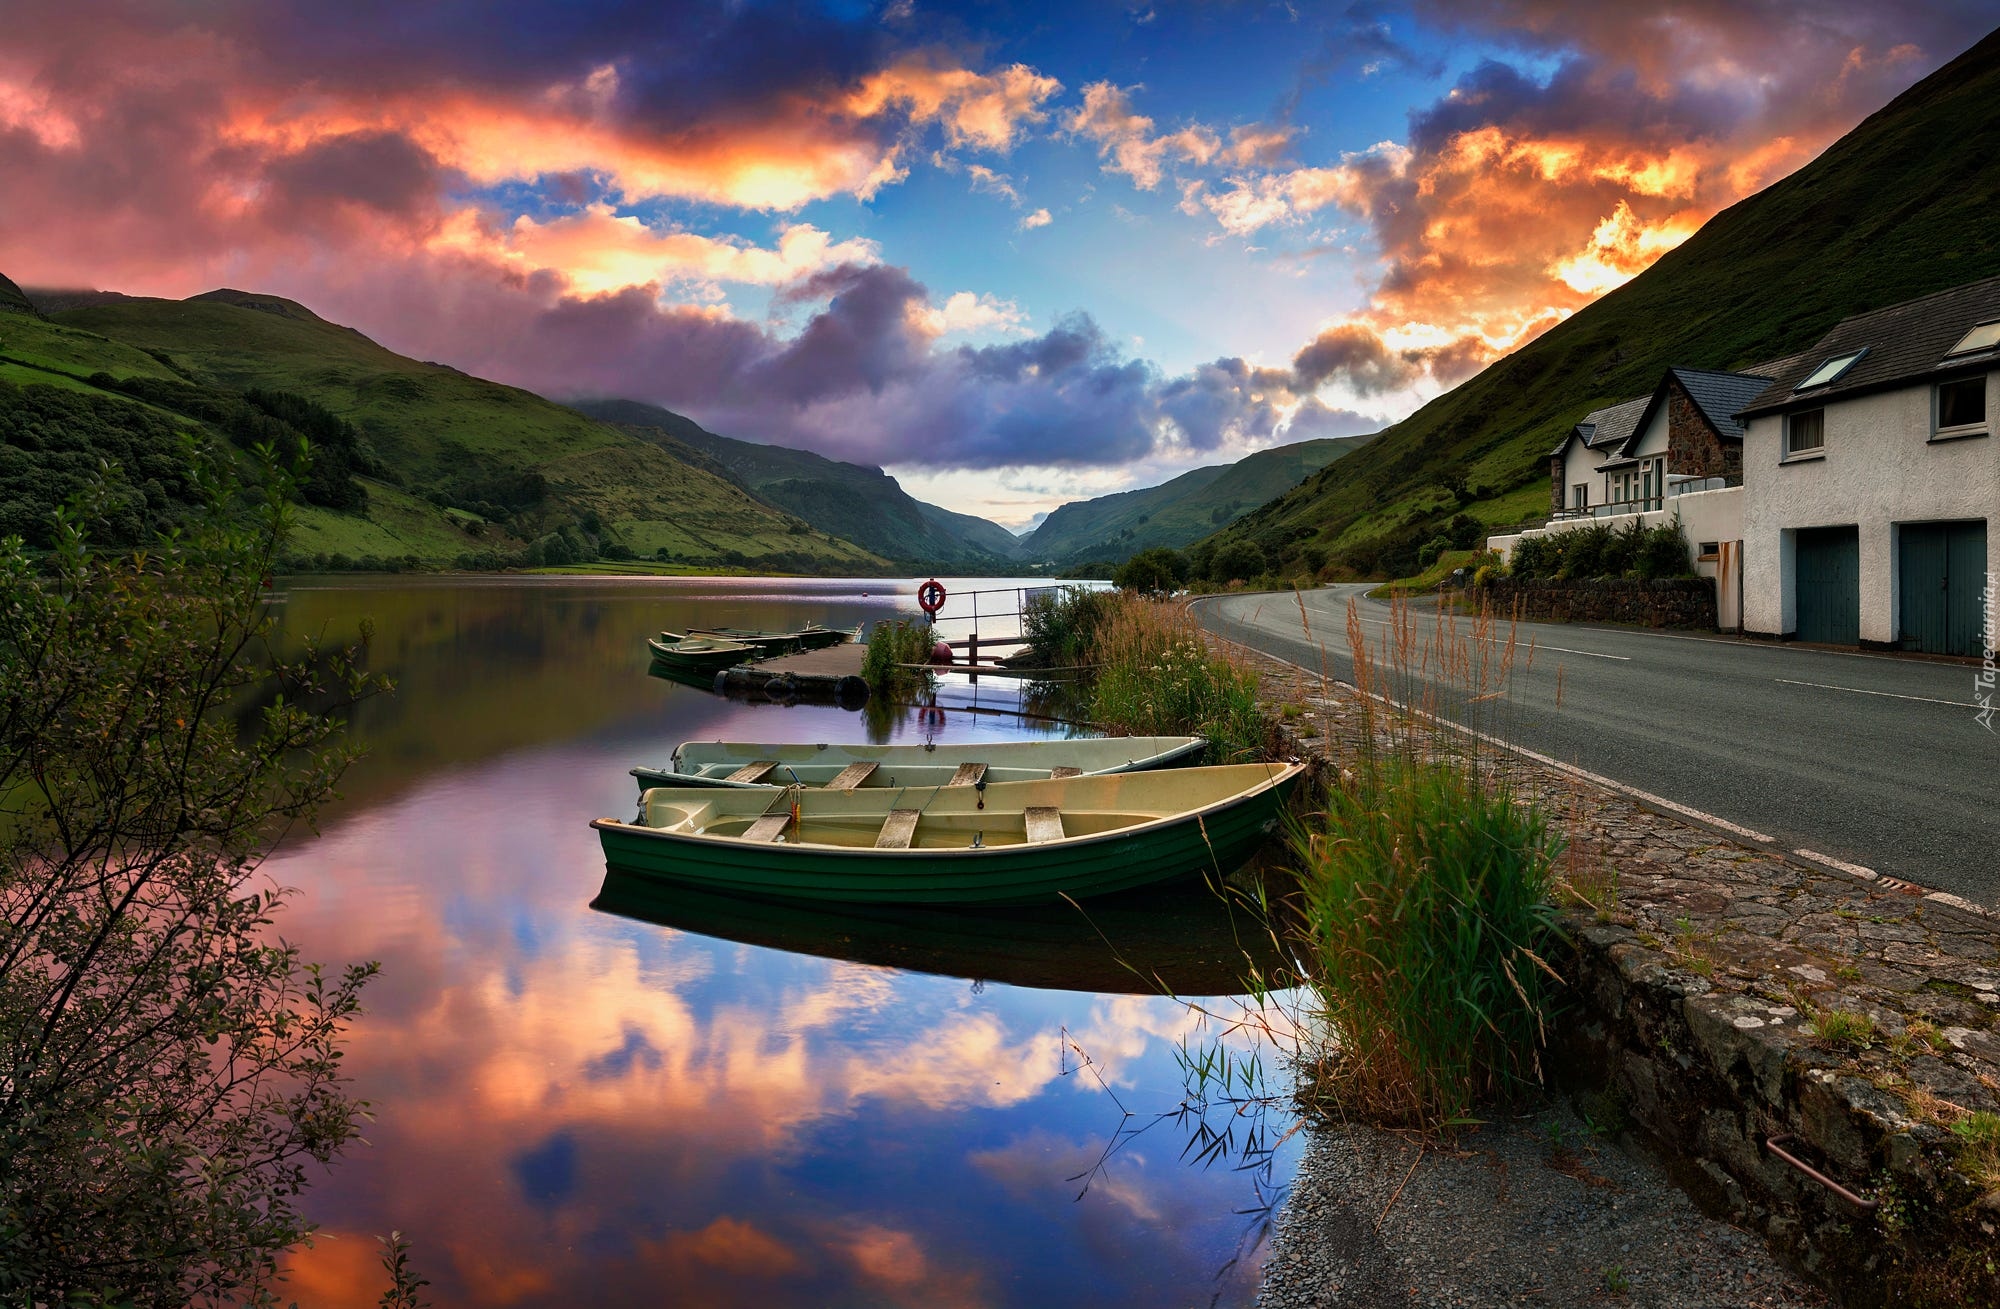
[
  {"x": 850, "y": 767},
  {"x": 999, "y": 844},
  {"x": 698, "y": 655},
  {"x": 810, "y": 637}
]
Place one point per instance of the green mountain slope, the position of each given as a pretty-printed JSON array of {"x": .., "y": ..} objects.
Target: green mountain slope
[
  {"x": 1185, "y": 509},
  {"x": 852, "y": 501},
  {"x": 1898, "y": 208},
  {"x": 466, "y": 465}
]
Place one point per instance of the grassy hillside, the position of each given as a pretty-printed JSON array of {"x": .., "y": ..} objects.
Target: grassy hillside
[
  {"x": 1898, "y": 208},
  {"x": 465, "y": 465},
  {"x": 1180, "y": 511},
  {"x": 852, "y": 501}
]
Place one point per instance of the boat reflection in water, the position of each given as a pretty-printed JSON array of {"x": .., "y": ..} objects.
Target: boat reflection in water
[{"x": 1178, "y": 940}]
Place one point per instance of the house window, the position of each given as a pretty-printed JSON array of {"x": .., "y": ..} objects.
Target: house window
[
  {"x": 1579, "y": 496},
  {"x": 1710, "y": 549},
  {"x": 1961, "y": 406},
  {"x": 1805, "y": 433}
]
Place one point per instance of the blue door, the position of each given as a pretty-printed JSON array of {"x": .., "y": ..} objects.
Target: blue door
[
  {"x": 1940, "y": 578},
  {"x": 1827, "y": 585}
]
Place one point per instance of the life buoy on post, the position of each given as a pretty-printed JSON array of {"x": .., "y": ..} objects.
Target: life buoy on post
[{"x": 931, "y": 597}]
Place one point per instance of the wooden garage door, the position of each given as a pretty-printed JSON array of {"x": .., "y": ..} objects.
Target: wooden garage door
[
  {"x": 1941, "y": 570},
  {"x": 1828, "y": 585}
]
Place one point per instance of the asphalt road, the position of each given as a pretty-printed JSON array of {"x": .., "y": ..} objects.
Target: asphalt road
[{"x": 1871, "y": 760}]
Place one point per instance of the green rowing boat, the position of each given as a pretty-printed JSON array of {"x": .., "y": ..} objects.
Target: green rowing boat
[
  {"x": 1007, "y": 843},
  {"x": 700, "y": 656},
  {"x": 848, "y": 767}
]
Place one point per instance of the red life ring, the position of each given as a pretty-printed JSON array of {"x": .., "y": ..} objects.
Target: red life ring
[{"x": 931, "y": 597}]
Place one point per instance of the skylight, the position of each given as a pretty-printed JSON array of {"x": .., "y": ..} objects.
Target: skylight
[
  {"x": 1830, "y": 370},
  {"x": 1983, "y": 337}
]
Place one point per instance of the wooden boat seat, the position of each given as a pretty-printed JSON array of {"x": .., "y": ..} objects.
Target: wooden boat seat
[
  {"x": 1044, "y": 823},
  {"x": 898, "y": 831},
  {"x": 967, "y": 774},
  {"x": 768, "y": 827},
  {"x": 1065, "y": 770},
  {"x": 756, "y": 772},
  {"x": 852, "y": 776}
]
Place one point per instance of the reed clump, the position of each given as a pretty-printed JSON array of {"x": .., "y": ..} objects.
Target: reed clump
[
  {"x": 891, "y": 645},
  {"x": 1061, "y": 624},
  {"x": 1157, "y": 676},
  {"x": 1425, "y": 918}
]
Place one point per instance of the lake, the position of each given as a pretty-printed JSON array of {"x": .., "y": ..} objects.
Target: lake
[{"x": 705, "y": 1101}]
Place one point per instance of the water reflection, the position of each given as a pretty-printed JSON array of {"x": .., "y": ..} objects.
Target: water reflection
[{"x": 706, "y": 1108}]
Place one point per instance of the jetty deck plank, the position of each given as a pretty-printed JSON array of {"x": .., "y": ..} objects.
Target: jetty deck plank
[
  {"x": 898, "y": 830},
  {"x": 852, "y": 776}
]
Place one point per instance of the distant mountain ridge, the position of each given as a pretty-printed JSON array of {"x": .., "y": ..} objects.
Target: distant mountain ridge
[
  {"x": 1898, "y": 208},
  {"x": 857, "y": 502},
  {"x": 1182, "y": 510},
  {"x": 449, "y": 466}
]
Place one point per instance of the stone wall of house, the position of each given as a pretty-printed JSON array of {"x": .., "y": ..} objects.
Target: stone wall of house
[
  {"x": 1693, "y": 446},
  {"x": 1684, "y": 602},
  {"x": 1556, "y": 484}
]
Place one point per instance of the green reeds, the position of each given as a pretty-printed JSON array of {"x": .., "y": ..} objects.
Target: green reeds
[
  {"x": 1424, "y": 888},
  {"x": 1425, "y": 918},
  {"x": 891, "y": 645},
  {"x": 1156, "y": 675}
]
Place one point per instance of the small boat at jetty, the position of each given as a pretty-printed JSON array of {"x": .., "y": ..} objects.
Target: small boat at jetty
[
  {"x": 850, "y": 767},
  {"x": 1000, "y": 844},
  {"x": 810, "y": 637},
  {"x": 700, "y": 656}
]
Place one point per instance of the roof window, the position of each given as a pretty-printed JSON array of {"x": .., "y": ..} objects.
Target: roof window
[
  {"x": 1983, "y": 337},
  {"x": 1830, "y": 370}
]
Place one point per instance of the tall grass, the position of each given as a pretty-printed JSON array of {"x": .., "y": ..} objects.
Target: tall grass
[
  {"x": 1424, "y": 905},
  {"x": 1156, "y": 676},
  {"x": 893, "y": 644}
]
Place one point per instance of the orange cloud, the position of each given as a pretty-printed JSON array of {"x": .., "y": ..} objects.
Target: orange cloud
[
  {"x": 1126, "y": 140},
  {"x": 986, "y": 110},
  {"x": 598, "y": 250}
]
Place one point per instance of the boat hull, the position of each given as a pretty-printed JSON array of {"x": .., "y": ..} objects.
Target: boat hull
[{"x": 1214, "y": 839}]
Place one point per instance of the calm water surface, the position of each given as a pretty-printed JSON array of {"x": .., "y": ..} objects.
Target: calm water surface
[{"x": 692, "y": 1101}]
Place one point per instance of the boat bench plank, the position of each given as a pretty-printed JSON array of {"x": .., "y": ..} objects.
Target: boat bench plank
[
  {"x": 1064, "y": 770},
  {"x": 768, "y": 827},
  {"x": 1044, "y": 822},
  {"x": 852, "y": 776},
  {"x": 967, "y": 775},
  {"x": 898, "y": 830},
  {"x": 754, "y": 772}
]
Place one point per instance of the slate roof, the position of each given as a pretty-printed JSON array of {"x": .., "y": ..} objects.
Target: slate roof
[
  {"x": 1906, "y": 343},
  {"x": 1604, "y": 427},
  {"x": 1720, "y": 395}
]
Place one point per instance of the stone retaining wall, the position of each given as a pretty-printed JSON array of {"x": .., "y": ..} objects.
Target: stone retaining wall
[
  {"x": 1684, "y": 602},
  {"x": 1698, "y": 963}
]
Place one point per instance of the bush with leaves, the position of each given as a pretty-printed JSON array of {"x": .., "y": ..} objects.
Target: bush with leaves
[
  {"x": 170, "y": 1069},
  {"x": 1158, "y": 572}
]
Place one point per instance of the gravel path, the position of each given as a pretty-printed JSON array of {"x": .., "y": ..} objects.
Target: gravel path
[{"x": 1527, "y": 1210}]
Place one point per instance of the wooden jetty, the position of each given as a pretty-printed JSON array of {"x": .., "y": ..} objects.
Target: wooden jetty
[{"x": 828, "y": 676}]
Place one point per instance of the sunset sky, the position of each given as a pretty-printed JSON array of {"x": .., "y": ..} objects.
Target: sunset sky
[{"x": 1016, "y": 254}]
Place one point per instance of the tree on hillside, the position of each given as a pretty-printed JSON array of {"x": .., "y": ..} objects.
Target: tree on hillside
[
  {"x": 1157, "y": 571},
  {"x": 170, "y": 1069},
  {"x": 1239, "y": 561}
]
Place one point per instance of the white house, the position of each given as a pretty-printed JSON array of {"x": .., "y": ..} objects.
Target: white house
[
  {"x": 1674, "y": 454},
  {"x": 1870, "y": 478}
]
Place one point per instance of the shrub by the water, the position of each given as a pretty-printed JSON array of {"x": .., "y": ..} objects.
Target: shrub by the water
[
  {"x": 1061, "y": 624},
  {"x": 892, "y": 644}
]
